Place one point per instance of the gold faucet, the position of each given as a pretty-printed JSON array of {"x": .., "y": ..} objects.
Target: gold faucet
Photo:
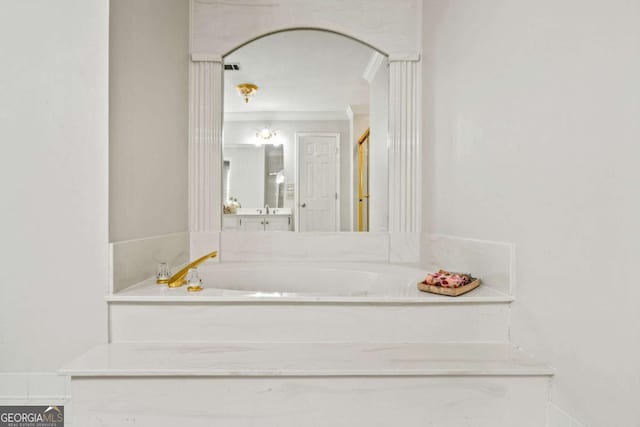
[{"x": 178, "y": 279}]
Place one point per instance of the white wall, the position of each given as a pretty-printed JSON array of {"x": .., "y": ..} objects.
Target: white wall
[
  {"x": 54, "y": 186},
  {"x": 244, "y": 132},
  {"x": 531, "y": 126},
  {"x": 393, "y": 26},
  {"x": 148, "y": 107}
]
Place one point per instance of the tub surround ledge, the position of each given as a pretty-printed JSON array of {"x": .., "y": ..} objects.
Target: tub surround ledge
[{"x": 149, "y": 292}]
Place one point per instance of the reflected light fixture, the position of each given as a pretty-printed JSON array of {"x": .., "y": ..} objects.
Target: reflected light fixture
[
  {"x": 267, "y": 136},
  {"x": 265, "y": 133},
  {"x": 247, "y": 90}
]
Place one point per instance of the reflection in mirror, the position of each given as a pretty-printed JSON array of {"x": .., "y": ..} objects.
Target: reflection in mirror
[
  {"x": 305, "y": 135},
  {"x": 274, "y": 176}
]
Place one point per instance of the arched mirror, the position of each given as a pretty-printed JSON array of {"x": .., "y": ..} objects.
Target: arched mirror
[{"x": 305, "y": 135}]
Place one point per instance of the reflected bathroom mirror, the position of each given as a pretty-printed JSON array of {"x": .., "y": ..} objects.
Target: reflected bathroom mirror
[{"x": 305, "y": 135}]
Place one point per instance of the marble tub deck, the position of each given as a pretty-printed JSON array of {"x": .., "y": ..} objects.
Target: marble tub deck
[
  {"x": 148, "y": 312},
  {"x": 149, "y": 291}
]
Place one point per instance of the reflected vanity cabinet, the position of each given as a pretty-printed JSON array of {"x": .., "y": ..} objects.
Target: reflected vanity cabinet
[{"x": 256, "y": 222}]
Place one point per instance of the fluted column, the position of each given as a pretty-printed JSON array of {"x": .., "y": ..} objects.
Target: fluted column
[
  {"x": 205, "y": 145},
  {"x": 404, "y": 145}
]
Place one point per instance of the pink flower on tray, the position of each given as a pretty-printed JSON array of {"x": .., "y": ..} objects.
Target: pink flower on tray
[{"x": 447, "y": 280}]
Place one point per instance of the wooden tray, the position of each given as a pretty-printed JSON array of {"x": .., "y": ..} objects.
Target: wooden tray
[{"x": 452, "y": 292}]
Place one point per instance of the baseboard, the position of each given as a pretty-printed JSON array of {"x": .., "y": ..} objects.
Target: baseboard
[{"x": 34, "y": 388}]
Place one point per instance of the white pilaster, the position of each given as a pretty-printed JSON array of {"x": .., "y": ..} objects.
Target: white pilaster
[
  {"x": 205, "y": 144},
  {"x": 404, "y": 144}
]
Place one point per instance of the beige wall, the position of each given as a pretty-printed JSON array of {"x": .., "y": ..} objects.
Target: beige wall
[
  {"x": 531, "y": 129},
  {"x": 148, "y": 124}
]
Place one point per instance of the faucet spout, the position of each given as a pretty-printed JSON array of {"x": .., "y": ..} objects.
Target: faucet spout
[
  {"x": 267, "y": 208},
  {"x": 178, "y": 279}
]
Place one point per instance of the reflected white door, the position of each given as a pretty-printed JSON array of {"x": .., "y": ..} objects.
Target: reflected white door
[{"x": 318, "y": 181}]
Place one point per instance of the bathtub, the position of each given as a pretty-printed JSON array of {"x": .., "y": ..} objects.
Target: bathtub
[
  {"x": 269, "y": 280},
  {"x": 314, "y": 282},
  {"x": 305, "y": 302},
  {"x": 294, "y": 281}
]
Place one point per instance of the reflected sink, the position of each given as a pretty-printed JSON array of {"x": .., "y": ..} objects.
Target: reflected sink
[
  {"x": 263, "y": 211},
  {"x": 280, "y": 211}
]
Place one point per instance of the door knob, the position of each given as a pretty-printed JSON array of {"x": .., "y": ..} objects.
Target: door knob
[{"x": 304, "y": 205}]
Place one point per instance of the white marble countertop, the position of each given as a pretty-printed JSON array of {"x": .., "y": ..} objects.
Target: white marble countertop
[
  {"x": 306, "y": 359},
  {"x": 149, "y": 291}
]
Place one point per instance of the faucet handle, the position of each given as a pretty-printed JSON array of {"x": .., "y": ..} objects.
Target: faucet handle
[
  {"x": 163, "y": 273},
  {"x": 194, "y": 282}
]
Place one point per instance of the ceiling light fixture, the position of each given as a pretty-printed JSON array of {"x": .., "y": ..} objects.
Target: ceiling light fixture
[{"x": 247, "y": 90}]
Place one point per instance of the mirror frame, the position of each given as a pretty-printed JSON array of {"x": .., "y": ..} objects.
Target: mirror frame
[{"x": 404, "y": 137}]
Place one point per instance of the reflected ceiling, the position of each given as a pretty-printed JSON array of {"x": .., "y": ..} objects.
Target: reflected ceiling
[{"x": 302, "y": 70}]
